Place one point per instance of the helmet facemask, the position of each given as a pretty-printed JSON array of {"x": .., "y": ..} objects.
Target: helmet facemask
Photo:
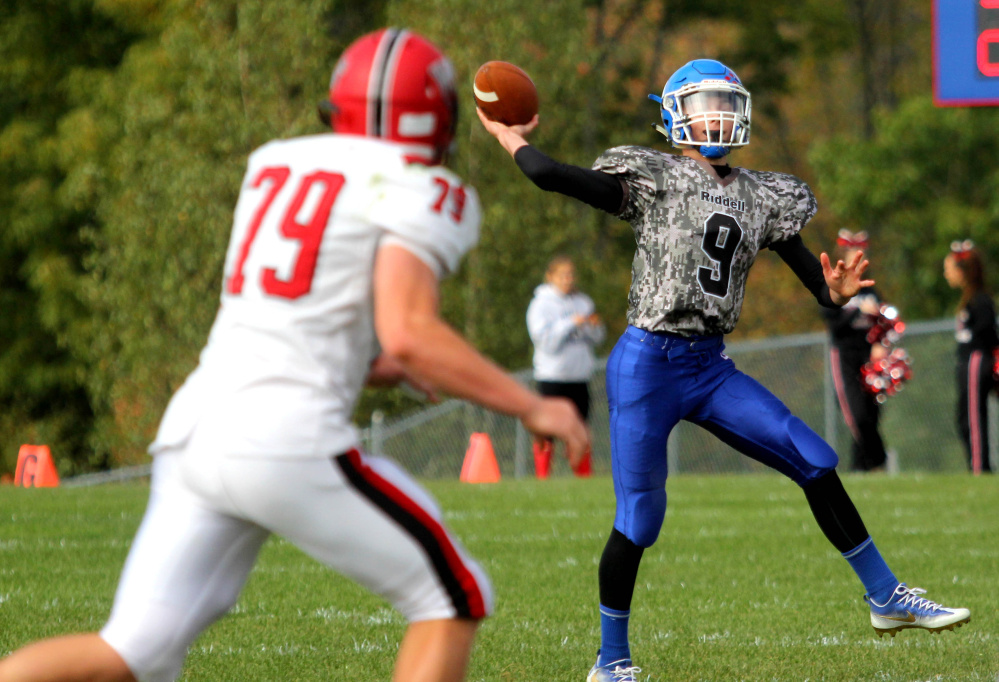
[{"x": 712, "y": 115}]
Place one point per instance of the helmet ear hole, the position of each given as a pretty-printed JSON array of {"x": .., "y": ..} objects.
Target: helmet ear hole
[{"x": 674, "y": 134}]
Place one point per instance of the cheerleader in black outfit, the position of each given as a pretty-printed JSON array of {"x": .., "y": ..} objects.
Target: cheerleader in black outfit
[
  {"x": 976, "y": 340},
  {"x": 849, "y": 351}
]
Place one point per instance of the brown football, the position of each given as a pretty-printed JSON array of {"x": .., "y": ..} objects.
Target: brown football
[{"x": 505, "y": 93}]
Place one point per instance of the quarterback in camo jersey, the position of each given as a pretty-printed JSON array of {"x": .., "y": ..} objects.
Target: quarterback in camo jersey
[
  {"x": 699, "y": 225},
  {"x": 698, "y": 235}
]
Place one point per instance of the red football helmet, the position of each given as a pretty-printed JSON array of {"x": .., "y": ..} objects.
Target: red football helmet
[{"x": 397, "y": 85}]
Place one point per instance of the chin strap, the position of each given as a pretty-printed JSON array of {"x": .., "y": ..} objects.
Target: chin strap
[{"x": 713, "y": 152}]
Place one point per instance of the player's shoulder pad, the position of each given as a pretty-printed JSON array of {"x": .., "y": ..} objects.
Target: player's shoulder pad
[
  {"x": 427, "y": 208},
  {"x": 790, "y": 193},
  {"x": 779, "y": 183},
  {"x": 631, "y": 152},
  {"x": 303, "y": 151},
  {"x": 633, "y": 160}
]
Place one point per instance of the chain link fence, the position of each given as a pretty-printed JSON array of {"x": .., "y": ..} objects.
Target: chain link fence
[{"x": 918, "y": 424}]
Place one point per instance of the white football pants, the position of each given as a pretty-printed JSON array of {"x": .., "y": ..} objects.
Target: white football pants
[{"x": 209, "y": 514}]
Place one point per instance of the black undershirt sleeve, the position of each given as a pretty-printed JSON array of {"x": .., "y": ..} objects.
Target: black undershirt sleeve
[
  {"x": 806, "y": 266},
  {"x": 596, "y": 188},
  {"x": 609, "y": 193}
]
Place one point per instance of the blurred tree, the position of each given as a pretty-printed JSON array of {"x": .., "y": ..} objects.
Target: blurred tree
[
  {"x": 927, "y": 177},
  {"x": 522, "y": 226},
  {"x": 125, "y": 125},
  {"x": 186, "y": 108},
  {"x": 51, "y": 54}
]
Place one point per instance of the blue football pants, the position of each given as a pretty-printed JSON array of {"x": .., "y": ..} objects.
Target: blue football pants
[{"x": 655, "y": 379}]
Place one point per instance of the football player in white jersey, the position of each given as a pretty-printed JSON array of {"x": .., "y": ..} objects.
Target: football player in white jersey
[{"x": 331, "y": 279}]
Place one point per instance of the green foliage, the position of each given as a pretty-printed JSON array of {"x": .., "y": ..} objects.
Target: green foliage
[
  {"x": 125, "y": 125},
  {"x": 522, "y": 228},
  {"x": 122, "y": 182},
  {"x": 926, "y": 178},
  {"x": 740, "y": 586},
  {"x": 50, "y": 54},
  {"x": 187, "y": 106}
]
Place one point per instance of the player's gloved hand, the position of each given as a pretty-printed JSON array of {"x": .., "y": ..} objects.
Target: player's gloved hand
[
  {"x": 559, "y": 418},
  {"x": 846, "y": 279}
]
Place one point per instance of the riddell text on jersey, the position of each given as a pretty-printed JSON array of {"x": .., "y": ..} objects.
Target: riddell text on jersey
[{"x": 734, "y": 204}]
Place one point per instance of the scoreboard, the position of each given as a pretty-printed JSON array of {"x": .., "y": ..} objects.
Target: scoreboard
[{"x": 966, "y": 53}]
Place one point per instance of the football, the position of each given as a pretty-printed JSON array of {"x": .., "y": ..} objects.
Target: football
[{"x": 505, "y": 93}]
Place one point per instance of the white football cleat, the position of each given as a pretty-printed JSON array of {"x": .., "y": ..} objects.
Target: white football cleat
[
  {"x": 906, "y": 609},
  {"x": 618, "y": 671}
]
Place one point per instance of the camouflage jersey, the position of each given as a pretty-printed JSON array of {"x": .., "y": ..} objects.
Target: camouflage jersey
[{"x": 697, "y": 236}]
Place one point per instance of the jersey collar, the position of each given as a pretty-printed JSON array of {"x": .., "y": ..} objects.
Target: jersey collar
[{"x": 709, "y": 169}]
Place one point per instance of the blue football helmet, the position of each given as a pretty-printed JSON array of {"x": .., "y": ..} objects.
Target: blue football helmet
[{"x": 705, "y": 91}]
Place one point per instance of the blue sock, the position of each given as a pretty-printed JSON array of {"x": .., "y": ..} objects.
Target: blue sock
[
  {"x": 613, "y": 636},
  {"x": 866, "y": 561}
]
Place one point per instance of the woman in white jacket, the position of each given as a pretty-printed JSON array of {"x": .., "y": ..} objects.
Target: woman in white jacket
[{"x": 564, "y": 328}]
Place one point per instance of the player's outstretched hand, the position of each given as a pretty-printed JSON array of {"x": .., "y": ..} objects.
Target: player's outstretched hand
[
  {"x": 511, "y": 137},
  {"x": 559, "y": 418},
  {"x": 846, "y": 279}
]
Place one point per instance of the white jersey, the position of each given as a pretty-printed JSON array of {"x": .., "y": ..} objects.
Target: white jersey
[{"x": 292, "y": 343}]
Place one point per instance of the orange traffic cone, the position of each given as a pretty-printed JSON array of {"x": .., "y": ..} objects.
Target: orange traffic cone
[
  {"x": 480, "y": 461},
  {"x": 35, "y": 467}
]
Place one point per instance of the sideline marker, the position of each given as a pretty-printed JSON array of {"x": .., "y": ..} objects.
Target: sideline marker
[
  {"x": 35, "y": 467},
  {"x": 480, "y": 464}
]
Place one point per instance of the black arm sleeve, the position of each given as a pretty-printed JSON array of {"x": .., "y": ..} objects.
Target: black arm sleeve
[
  {"x": 596, "y": 188},
  {"x": 840, "y": 320},
  {"x": 806, "y": 266}
]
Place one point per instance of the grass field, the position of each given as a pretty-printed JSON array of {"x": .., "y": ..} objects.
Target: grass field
[{"x": 740, "y": 586}]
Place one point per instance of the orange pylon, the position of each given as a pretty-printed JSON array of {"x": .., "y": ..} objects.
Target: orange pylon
[
  {"x": 480, "y": 464},
  {"x": 35, "y": 467}
]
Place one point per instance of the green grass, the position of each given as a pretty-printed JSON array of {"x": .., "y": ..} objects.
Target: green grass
[{"x": 740, "y": 586}]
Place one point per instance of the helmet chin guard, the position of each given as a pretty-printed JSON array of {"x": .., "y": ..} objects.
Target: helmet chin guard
[
  {"x": 713, "y": 152},
  {"x": 704, "y": 106}
]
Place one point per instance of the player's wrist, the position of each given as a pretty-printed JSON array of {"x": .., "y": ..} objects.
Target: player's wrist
[
  {"x": 530, "y": 404},
  {"x": 511, "y": 141}
]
